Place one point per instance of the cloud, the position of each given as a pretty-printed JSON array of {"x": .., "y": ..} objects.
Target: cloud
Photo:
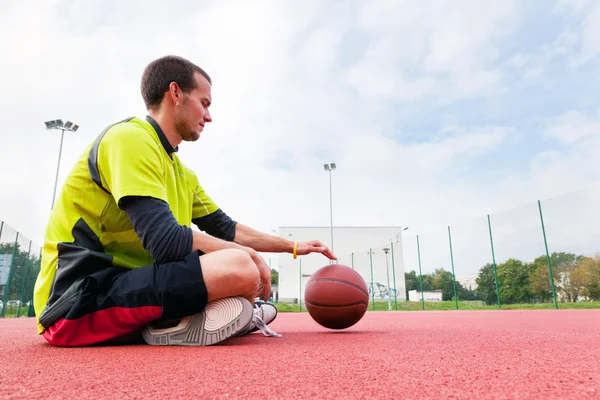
[
  {"x": 573, "y": 126},
  {"x": 587, "y": 16}
]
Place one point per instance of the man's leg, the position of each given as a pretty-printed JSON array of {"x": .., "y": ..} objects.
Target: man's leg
[
  {"x": 220, "y": 267},
  {"x": 116, "y": 302},
  {"x": 232, "y": 282},
  {"x": 230, "y": 273}
]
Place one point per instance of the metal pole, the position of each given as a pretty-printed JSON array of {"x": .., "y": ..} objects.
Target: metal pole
[
  {"x": 494, "y": 260},
  {"x": 300, "y": 297},
  {"x": 7, "y": 286},
  {"x": 387, "y": 269},
  {"x": 452, "y": 262},
  {"x": 394, "y": 277},
  {"x": 372, "y": 280},
  {"x": 58, "y": 166},
  {"x": 352, "y": 255},
  {"x": 331, "y": 210},
  {"x": 548, "y": 257},
  {"x": 24, "y": 279},
  {"x": 420, "y": 273}
]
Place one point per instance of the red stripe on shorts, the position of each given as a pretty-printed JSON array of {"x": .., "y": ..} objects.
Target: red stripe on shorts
[{"x": 101, "y": 326}]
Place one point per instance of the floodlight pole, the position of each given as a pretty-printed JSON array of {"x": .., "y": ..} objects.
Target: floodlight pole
[
  {"x": 387, "y": 268},
  {"x": 67, "y": 126},
  {"x": 330, "y": 167},
  {"x": 62, "y": 135}
]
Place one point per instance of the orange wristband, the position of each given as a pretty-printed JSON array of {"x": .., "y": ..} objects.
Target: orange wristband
[{"x": 295, "y": 249}]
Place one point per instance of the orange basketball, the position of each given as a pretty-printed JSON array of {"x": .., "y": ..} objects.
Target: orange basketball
[{"x": 336, "y": 296}]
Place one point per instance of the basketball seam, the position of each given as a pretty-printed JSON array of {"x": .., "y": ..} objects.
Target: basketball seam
[
  {"x": 337, "y": 305},
  {"x": 340, "y": 281}
]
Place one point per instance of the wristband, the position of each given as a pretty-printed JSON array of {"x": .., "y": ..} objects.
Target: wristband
[{"x": 295, "y": 249}]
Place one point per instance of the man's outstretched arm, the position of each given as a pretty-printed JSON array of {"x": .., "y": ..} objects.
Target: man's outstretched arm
[
  {"x": 220, "y": 225},
  {"x": 263, "y": 242}
]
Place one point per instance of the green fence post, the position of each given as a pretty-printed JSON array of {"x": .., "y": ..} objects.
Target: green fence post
[
  {"x": 31, "y": 311},
  {"x": 420, "y": 273},
  {"x": 7, "y": 287},
  {"x": 452, "y": 262},
  {"x": 300, "y": 296},
  {"x": 394, "y": 277},
  {"x": 372, "y": 280},
  {"x": 548, "y": 257},
  {"x": 494, "y": 260},
  {"x": 23, "y": 280}
]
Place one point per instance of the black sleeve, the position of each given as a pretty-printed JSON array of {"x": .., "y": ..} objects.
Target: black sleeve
[
  {"x": 217, "y": 224},
  {"x": 154, "y": 223}
]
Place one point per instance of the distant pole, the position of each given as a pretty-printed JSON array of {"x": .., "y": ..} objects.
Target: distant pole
[
  {"x": 62, "y": 135},
  {"x": 9, "y": 278},
  {"x": 330, "y": 167},
  {"x": 494, "y": 260},
  {"x": 548, "y": 257},
  {"x": 24, "y": 279},
  {"x": 420, "y": 273},
  {"x": 394, "y": 277},
  {"x": 59, "y": 125},
  {"x": 387, "y": 270},
  {"x": 452, "y": 262},
  {"x": 372, "y": 280},
  {"x": 300, "y": 297}
]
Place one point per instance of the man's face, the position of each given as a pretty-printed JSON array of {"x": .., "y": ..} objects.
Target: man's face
[{"x": 192, "y": 113}]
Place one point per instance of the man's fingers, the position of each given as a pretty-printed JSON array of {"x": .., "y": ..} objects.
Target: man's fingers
[{"x": 329, "y": 254}]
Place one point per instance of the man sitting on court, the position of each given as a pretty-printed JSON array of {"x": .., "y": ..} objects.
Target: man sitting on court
[{"x": 120, "y": 258}]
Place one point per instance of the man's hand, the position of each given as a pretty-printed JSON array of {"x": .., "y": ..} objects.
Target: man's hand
[
  {"x": 314, "y": 246},
  {"x": 264, "y": 289}
]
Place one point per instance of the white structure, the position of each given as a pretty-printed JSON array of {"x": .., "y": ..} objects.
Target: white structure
[
  {"x": 432, "y": 295},
  {"x": 357, "y": 247},
  {"x": 468, "y": 282}
]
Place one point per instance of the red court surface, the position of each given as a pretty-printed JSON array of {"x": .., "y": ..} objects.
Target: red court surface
[{"x": 552, "y": 354}]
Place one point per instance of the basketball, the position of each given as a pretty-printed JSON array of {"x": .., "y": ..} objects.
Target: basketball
[{"x": 336, "y": 296}]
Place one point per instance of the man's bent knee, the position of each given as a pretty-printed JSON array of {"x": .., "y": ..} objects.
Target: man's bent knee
[
  {"x": 248, "y": 274},
  {"x": 230, "y": 272}
]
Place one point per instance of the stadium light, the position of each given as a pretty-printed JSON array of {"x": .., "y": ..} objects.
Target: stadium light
[
  {"x": 62, "y": 126},
  {"x": 330, "y": 167},
  {"x": 387, "y": 268}
]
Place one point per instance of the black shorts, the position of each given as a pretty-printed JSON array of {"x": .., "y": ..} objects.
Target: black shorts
[{"x": 116, "y": 303}]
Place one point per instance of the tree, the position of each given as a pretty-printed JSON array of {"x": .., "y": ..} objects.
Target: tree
[
  {"x": 486, "y": 285},
  {"x": 411, "y": 280},
  {"x": 587, "y": 275},
  {"x": 568, "y": 282},
  {"x": 443, "y": 280},
  {"x": 427, "y": 282},
  {"x": 513, "y": 281},
  {"x": 465, "y": 294},
  {"x": 274, "y": 277}
]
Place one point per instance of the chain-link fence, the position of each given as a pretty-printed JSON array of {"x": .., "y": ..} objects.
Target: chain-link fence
[
  {"x": 542, "y": 255},
  {"x": 545, "y": 254},
  {"x": 19, "y": 267}
]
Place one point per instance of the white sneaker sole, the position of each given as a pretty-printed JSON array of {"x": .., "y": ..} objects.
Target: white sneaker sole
[{"x": 220, "y": 320}]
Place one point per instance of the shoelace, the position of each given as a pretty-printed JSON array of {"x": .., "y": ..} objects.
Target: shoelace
[{"x": 260, "y": 324}]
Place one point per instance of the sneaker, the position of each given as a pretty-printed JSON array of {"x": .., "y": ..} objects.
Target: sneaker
[
  {"x": 220, "y": 320},
  {"x": 264, "y": 314}
]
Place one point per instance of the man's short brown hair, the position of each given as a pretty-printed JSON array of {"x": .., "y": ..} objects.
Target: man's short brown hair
[{"x": 159, "y": 74}]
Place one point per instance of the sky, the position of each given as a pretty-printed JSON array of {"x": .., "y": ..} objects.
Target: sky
[{"x": 436, "y": 113}]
